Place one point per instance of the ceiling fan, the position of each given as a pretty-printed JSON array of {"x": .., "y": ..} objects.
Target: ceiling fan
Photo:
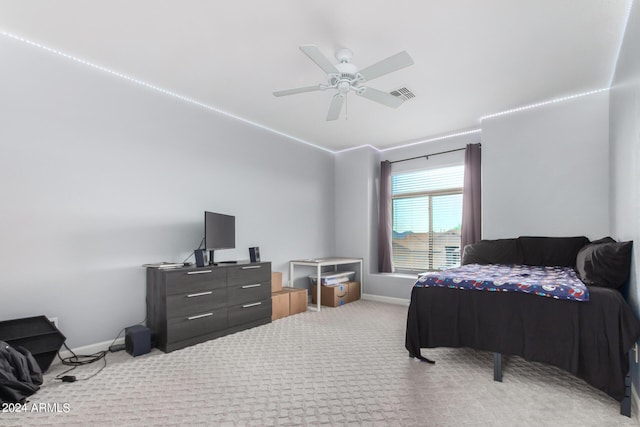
[{"x": 345, "y": 77}]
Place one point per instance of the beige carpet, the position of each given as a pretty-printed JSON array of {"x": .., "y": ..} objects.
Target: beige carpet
[{"x": 342, "y": 366}]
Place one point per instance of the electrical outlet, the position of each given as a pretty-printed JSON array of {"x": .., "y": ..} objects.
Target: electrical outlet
[{"x": 54, "y": 320}]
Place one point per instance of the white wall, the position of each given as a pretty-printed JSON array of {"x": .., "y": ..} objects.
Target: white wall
[
  {"x": 625, "y": 155},
  {"x": 100, "y": 175},
  {"x": 545, "y": 171}
]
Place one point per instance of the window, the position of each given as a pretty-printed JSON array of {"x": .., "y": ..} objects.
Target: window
[{"x": 427, "y": 218}]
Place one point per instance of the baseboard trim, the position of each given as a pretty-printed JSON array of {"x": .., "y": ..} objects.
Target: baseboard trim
[
  {"x": 88, "y": 349},
  {"x": 388, "y": 300}
]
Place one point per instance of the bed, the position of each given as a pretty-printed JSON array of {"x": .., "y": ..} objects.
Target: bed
[{"x": 589, "y": 336}]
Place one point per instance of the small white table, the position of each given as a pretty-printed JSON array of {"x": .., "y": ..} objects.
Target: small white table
[{"x": 323, "y": 262}]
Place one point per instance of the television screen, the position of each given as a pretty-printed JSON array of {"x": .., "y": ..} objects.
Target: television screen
[{"x": 219, "y": 231}]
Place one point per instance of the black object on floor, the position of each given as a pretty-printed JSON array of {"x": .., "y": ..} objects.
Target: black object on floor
[
  {"x": 137, "y": 340},
  {"x": 116, "y": 347},
  {"x": 36, "y": 334}
]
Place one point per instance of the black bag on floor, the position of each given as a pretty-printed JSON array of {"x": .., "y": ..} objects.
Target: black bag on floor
[{"x": 20, "y": 374}]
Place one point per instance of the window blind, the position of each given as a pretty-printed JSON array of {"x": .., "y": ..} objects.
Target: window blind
[{"x": 427, "y": 217}]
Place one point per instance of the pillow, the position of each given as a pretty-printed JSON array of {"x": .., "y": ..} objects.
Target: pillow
[
  {"x": 551, "y": 251},
  {"x": 605, "y": 263},
  {"x": 500, "y": 251}
]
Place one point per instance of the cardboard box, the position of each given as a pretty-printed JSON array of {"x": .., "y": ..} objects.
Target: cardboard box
[
  {"x": 276, "y": 281},
  {"x": 354, "y": 291},
  {"x": 298, "y": 300},
  {"x": 279, "y": 305},
  {"x": 331, "y": 296},
  {"x": 335, "y": 296}
]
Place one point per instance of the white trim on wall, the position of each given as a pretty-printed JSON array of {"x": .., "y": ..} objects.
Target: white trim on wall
[{"x": 387, "y": 300}]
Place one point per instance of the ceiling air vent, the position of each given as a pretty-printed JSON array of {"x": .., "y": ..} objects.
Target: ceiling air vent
[{"x": 403, "y": 93}]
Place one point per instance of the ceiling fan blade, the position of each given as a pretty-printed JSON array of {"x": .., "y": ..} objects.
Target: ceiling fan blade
[
  {"x": 381, "y": 97},
  {"x": 386, "y": 66},
  {"x": 335, "y": 107},
  {"x": 318, "y": 57},
  {"x": 297, "y": 90}
]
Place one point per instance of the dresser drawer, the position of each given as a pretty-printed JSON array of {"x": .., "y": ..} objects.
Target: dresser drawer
[
  {"x": 242, "y": 294},
  {"x": 190, "y": 305},
  {"x": 196, "y": 302},
  {"x": 184, "y": 327},
  {"x": 247, "y": 274},
  {"x": 247, "y": 313},
  {"x": 194, "y": 280}
]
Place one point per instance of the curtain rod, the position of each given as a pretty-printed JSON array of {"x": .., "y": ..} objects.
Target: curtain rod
[{"x": 428, "y": 155}]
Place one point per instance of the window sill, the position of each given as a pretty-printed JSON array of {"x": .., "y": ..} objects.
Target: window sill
[{"x": 413, "y": 276}]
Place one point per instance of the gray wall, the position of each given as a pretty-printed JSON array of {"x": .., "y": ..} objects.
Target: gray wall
[
  {"x": 100, "y": 175},
  {"x": 545, "y": 170},
  {"x": 625, "y": 154},
  {"x": 355, "y": 205},
  {"x": 357, "y": 181}
]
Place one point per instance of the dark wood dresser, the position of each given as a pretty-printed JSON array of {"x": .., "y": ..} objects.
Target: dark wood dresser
[{"x": 186, "y": 306}]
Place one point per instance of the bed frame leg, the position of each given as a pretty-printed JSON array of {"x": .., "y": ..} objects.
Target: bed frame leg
[
  {"x": 497, "y": 367},
  {"x": 625, "y": 405}
]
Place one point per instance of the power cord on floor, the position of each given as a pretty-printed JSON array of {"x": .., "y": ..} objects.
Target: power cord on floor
[
  {"x": 80, "y": 360},
  {"x": 113, "y": 347}
]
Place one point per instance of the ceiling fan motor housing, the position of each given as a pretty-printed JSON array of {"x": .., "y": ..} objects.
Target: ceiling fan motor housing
[{"x": 347, "y": 78}]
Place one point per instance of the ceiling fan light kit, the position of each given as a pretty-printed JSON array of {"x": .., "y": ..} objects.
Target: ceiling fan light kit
[{"x": 345, "y": 77}]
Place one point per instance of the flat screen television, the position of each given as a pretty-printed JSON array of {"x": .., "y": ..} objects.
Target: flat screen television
[{"x": 219, "y": 232}]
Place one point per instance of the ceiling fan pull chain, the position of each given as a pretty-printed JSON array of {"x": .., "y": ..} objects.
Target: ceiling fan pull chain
[{"x": 346, "y": 107}]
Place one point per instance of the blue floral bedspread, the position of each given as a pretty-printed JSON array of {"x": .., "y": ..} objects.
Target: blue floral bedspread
[{"x": 551, "y": 282}]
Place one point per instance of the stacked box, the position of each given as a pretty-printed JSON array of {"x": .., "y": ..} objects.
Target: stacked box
[
  {"x": 276, "y": 281},
  {"x": 354, "y": 291},
  {"x": 286, "y": 301},
  {"x": 298, "y": 300},
  {"x": 279, "y": 305},
  {"x": 335, "y": 296}
]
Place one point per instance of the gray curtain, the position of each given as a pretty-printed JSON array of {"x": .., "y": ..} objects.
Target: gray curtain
[
  {"x": 471, "y": 196},
  {"x": 385, "y": 225}
]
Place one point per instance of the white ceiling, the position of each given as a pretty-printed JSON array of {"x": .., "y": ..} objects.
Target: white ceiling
[{"x": 472, "y": 58}]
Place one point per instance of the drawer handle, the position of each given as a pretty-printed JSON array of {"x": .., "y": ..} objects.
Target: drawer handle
[
  {"x": 199, "y": 316},
  {"x": 199, "y": 294},
  {"x": 250, "y": 267},
  {"x": 199, "y": 272},
  {"x": 252, "y": 286},
  {"x": 251, "y": 305}
]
